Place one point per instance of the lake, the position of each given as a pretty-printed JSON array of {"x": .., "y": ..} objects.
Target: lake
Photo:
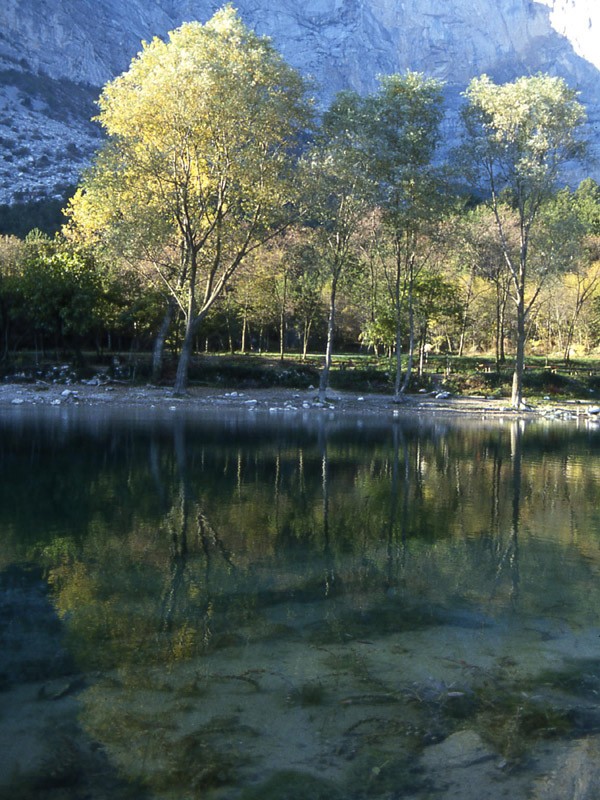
[{"x": 238, "y": 607}]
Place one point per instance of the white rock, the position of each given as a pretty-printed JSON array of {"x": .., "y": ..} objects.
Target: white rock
[{"x": 459, "y": 750}]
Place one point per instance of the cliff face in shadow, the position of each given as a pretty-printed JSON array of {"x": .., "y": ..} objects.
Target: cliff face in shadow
[{"x": 55, "y": 54}]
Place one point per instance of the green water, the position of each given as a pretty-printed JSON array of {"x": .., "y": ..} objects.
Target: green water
[{"x": 231, "y": 607}]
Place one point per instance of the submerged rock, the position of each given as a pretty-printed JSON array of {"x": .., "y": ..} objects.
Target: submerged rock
[
  {"x": 461, "y": 749},
  {"x": 576, "y": 776}
]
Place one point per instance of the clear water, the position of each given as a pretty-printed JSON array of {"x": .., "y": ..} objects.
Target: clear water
[{"x": 230, "y": 607}]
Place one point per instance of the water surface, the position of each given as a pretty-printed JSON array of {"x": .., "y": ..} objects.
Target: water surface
[{"x": 233, "y": 607}]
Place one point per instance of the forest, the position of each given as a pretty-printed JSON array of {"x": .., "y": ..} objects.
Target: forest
[{"x": 224, "y": 213}]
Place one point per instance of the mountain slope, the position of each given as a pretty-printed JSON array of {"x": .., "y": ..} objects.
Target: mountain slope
[{"x": 56, "y": 54}]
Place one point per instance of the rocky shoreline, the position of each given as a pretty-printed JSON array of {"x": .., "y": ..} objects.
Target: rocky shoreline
[{"x": 118, "y": 395}]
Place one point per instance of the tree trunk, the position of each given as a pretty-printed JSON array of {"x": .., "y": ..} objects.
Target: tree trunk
[
  {"x": 465, "y": 318},
  {"x": 282, "y": 321},
  {"x": 517, "y": 383},
  {"x": 185, "y": 357},
  {"x": 422, "y": 350},
  {"x": 305, "y": 338},
  {"x": 571, "y": 330},
  {"x": 159, "y": 343},
  {"x": 324, "y": 377},
  {"x": 244, "y": 328},
  {"x": 498, "y": 329},
  {"x": 282, "y": 336},
  {"x": 398, "y": 378},
  {"x": 411, "y": 328},
  {"x": 192, "y": 321},
  {"x": 569, "y": 342},
  {"x": 503, "y": 331}
]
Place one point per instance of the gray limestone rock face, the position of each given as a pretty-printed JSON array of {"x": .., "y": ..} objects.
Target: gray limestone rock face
[{"x": 56, "y": 54}]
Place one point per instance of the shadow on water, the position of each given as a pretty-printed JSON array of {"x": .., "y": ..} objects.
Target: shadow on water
[{"x": 45, "y": 753}]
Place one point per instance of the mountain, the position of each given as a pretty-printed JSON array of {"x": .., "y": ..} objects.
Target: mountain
[{"x": 56, "y": 54}]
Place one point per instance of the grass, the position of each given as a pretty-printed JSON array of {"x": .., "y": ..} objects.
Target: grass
[{"x": 361, "y": 373}]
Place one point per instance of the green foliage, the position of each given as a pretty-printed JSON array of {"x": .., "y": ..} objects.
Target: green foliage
[
  {"x": 202, "y": 202},
  {"x": 54, "y": 294},
  {"x": 517, "y": 137},
  {"x": 197, "y": 172},
  {"x": 380, "y": 331},
  {"x": 61, "y": 291},
  {"x": 251, "y": 372},
  {"x": 17, "y": 219}
]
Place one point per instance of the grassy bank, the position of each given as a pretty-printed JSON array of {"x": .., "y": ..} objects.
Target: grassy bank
[{"x": 354, "y": 373}]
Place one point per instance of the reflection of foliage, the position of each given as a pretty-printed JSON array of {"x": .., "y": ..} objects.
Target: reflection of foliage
[
  {"x": 515, "y": 719},
  {"x": 197, "y": 546},
  {"x": 276, "y": 517},
  {"x": 195, "y": 764}
]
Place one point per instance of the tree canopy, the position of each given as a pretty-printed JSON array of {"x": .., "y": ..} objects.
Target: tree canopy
[
  {"x": 517, "y": 138},
  {"x": 223, "y": 213},
  {"x": 196, "y": 172}
]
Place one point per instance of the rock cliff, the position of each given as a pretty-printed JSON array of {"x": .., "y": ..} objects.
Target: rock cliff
[{"x": 55, "y": 54}]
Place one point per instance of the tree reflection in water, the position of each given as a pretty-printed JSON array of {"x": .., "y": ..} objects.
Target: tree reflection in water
[{"x": 241, "y": 594}]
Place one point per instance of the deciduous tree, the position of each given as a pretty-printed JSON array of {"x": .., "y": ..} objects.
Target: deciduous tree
[
  {"x": 340, "y": 188},
  {"x": 403, "y": 120},
  {"x": 197, "y": 171},
  {"x": 516, "y": 139}
]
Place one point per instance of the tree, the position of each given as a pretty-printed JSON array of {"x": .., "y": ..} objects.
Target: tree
[
  {"x": 305, "y": 287},
  {"x": 402, "y": 121},
  {"x": 197, "y": 172},
  {"x": 62, "y": 293},
  {"x": 516, "y": 139},
  {"x": 12, "y": 254},
  {"x": 340, "y": 191},
  {"x": 479, "y": 258},
  {"x": 581, "y": 211},
  {"x": 437, "y": 308}
]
